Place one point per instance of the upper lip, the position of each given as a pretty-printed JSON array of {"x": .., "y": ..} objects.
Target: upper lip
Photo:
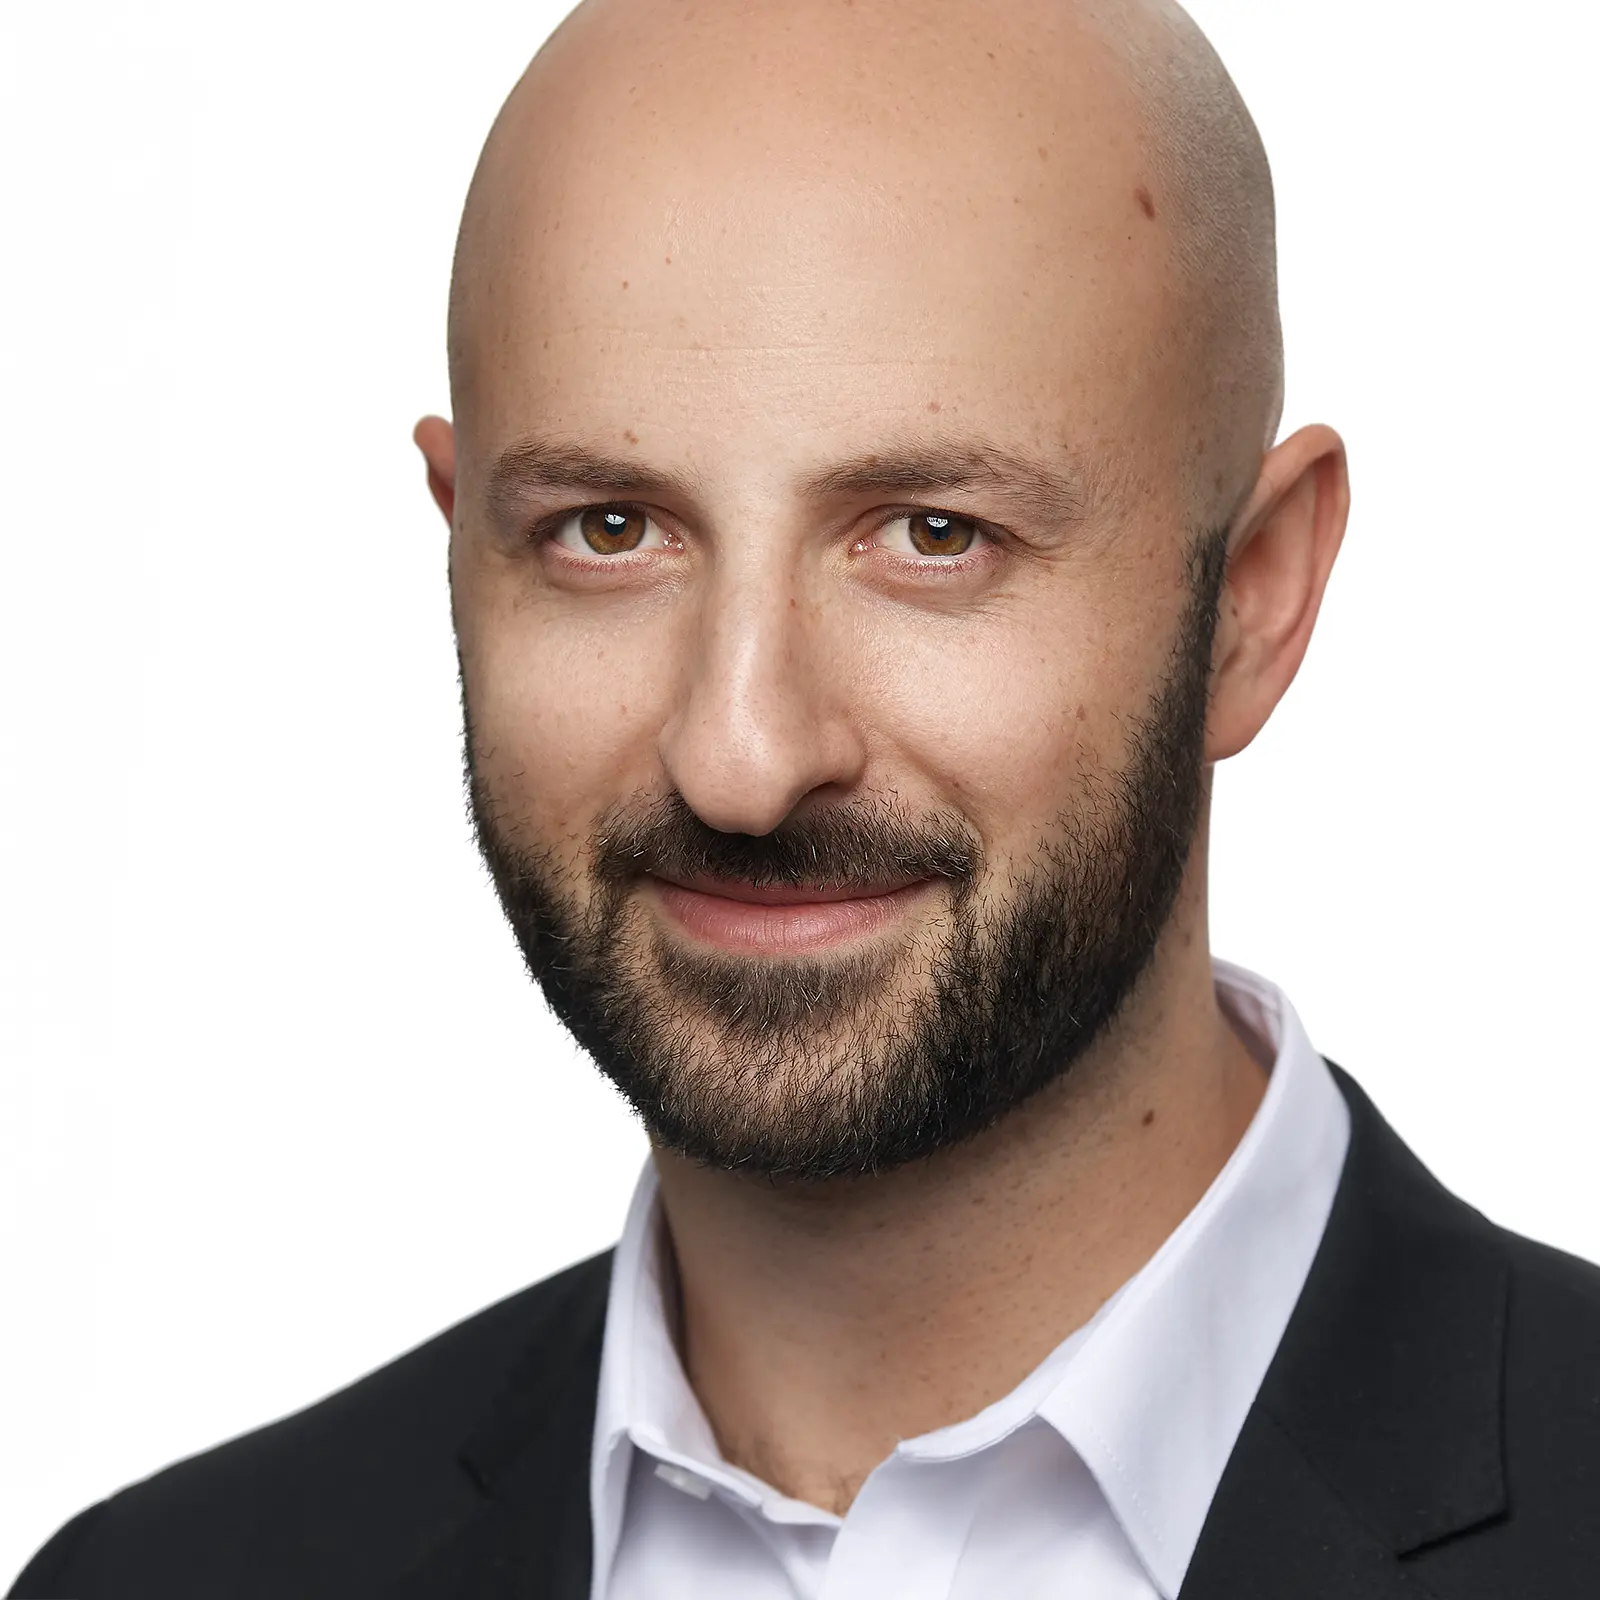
[{"x": 785, "y": 894}]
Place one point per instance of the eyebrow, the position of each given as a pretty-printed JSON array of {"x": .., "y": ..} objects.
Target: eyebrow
[
  {"x": 1043, "y": 493},
  {"x": 537, "y": 463}
]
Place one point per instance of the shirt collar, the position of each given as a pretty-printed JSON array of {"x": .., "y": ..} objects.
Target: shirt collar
[
  {"x": 644, "y": 1397},
  {"x": 1155, "y": 1395},
  {"x": 1151, "y": 1392}
]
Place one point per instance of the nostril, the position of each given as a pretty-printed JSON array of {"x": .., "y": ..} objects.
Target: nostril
[
  {"x": 740, "y": 779},
  {"x": 760, "y": 724}
]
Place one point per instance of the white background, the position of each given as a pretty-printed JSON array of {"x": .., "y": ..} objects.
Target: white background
[{"x": 276, "y": 1099}]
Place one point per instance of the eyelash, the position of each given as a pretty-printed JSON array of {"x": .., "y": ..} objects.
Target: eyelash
[
  {"x": 987, "y": 542},
  {"x": 545, "y": 531}
]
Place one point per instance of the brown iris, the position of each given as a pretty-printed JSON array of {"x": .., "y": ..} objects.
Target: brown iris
[
  {"x": 937, "y": 533},
  {"x": 612, "y": 530}
]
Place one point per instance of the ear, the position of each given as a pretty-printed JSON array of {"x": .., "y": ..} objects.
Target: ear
[
  {"x": 1280, "y": 554},
  {"x": 436, "y": 439}
]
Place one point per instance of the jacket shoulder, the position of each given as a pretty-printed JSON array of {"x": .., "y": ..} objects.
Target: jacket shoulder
[{"x": 337, "y": 1497}]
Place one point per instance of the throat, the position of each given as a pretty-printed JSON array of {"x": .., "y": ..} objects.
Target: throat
[{"x": 821, "y": 1325}]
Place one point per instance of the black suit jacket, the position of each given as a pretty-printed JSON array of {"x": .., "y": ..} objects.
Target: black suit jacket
[{"x": 1430, "y": 1426}]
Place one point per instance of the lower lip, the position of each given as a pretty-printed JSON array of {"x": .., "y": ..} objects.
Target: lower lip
[{"x": 781, "y": 930}]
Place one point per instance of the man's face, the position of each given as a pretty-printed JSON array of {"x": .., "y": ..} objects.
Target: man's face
[{"x": 834, "y": 627}]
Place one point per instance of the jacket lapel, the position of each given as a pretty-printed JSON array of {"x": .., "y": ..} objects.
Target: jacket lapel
[
  {"x": 1276, "y": 1529},
  {"x": 1378, "y": 1427},
  {"x": 528, "y": 1538}
]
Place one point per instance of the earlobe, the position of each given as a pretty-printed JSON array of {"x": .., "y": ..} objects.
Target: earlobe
[
  {"x": 1284, "y": 547},
  {"x": 436, "y": 439}
]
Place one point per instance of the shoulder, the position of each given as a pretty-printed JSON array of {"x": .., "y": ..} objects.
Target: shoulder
[{"x": 321, "y": 1501}]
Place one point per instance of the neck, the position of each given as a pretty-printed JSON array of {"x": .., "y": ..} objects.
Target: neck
[{"x": 822, "y": 1324}]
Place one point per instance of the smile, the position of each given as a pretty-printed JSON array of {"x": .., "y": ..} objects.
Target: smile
[{"x": 781, "y": 919}]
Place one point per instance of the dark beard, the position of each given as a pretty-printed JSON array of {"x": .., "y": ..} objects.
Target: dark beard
[{"x": 807, "y": 1073}]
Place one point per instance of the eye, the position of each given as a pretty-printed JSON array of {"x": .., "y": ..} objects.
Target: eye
[
  {"x": 929, "y": 534},
  {"x": 608, "y": 531}
]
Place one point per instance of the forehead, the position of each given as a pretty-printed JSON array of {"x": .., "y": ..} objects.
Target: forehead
[{"x": 773, "y": 258}]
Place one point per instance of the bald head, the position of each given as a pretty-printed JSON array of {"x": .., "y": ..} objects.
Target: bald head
[{"x": 1091, "y": 155}]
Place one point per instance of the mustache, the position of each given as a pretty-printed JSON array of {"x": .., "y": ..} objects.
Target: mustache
[{"x": 851, "y": 843}]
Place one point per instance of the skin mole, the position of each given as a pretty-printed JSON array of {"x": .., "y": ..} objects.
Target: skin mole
[{"x": 1146, "y": 204}]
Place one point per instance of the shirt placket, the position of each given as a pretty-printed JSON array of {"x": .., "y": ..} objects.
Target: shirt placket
[{"x": 904, "y": 1533}]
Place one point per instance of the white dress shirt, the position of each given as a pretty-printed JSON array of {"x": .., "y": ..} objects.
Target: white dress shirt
[{"x": 1089, "y": 1481}]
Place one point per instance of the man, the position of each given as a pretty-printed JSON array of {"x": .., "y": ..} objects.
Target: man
[{"x": 867, "y": 534}]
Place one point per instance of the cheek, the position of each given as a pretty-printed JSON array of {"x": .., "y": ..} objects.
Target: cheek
[
  {"x": 566, "y": 708},
  {"x": 1005, "y": 715}
]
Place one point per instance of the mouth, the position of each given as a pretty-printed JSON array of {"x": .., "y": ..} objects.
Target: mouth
[{"x": 782, "y": 919}]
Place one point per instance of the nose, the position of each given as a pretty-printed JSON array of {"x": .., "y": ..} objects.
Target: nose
[{"x": 763, "y": 715}]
